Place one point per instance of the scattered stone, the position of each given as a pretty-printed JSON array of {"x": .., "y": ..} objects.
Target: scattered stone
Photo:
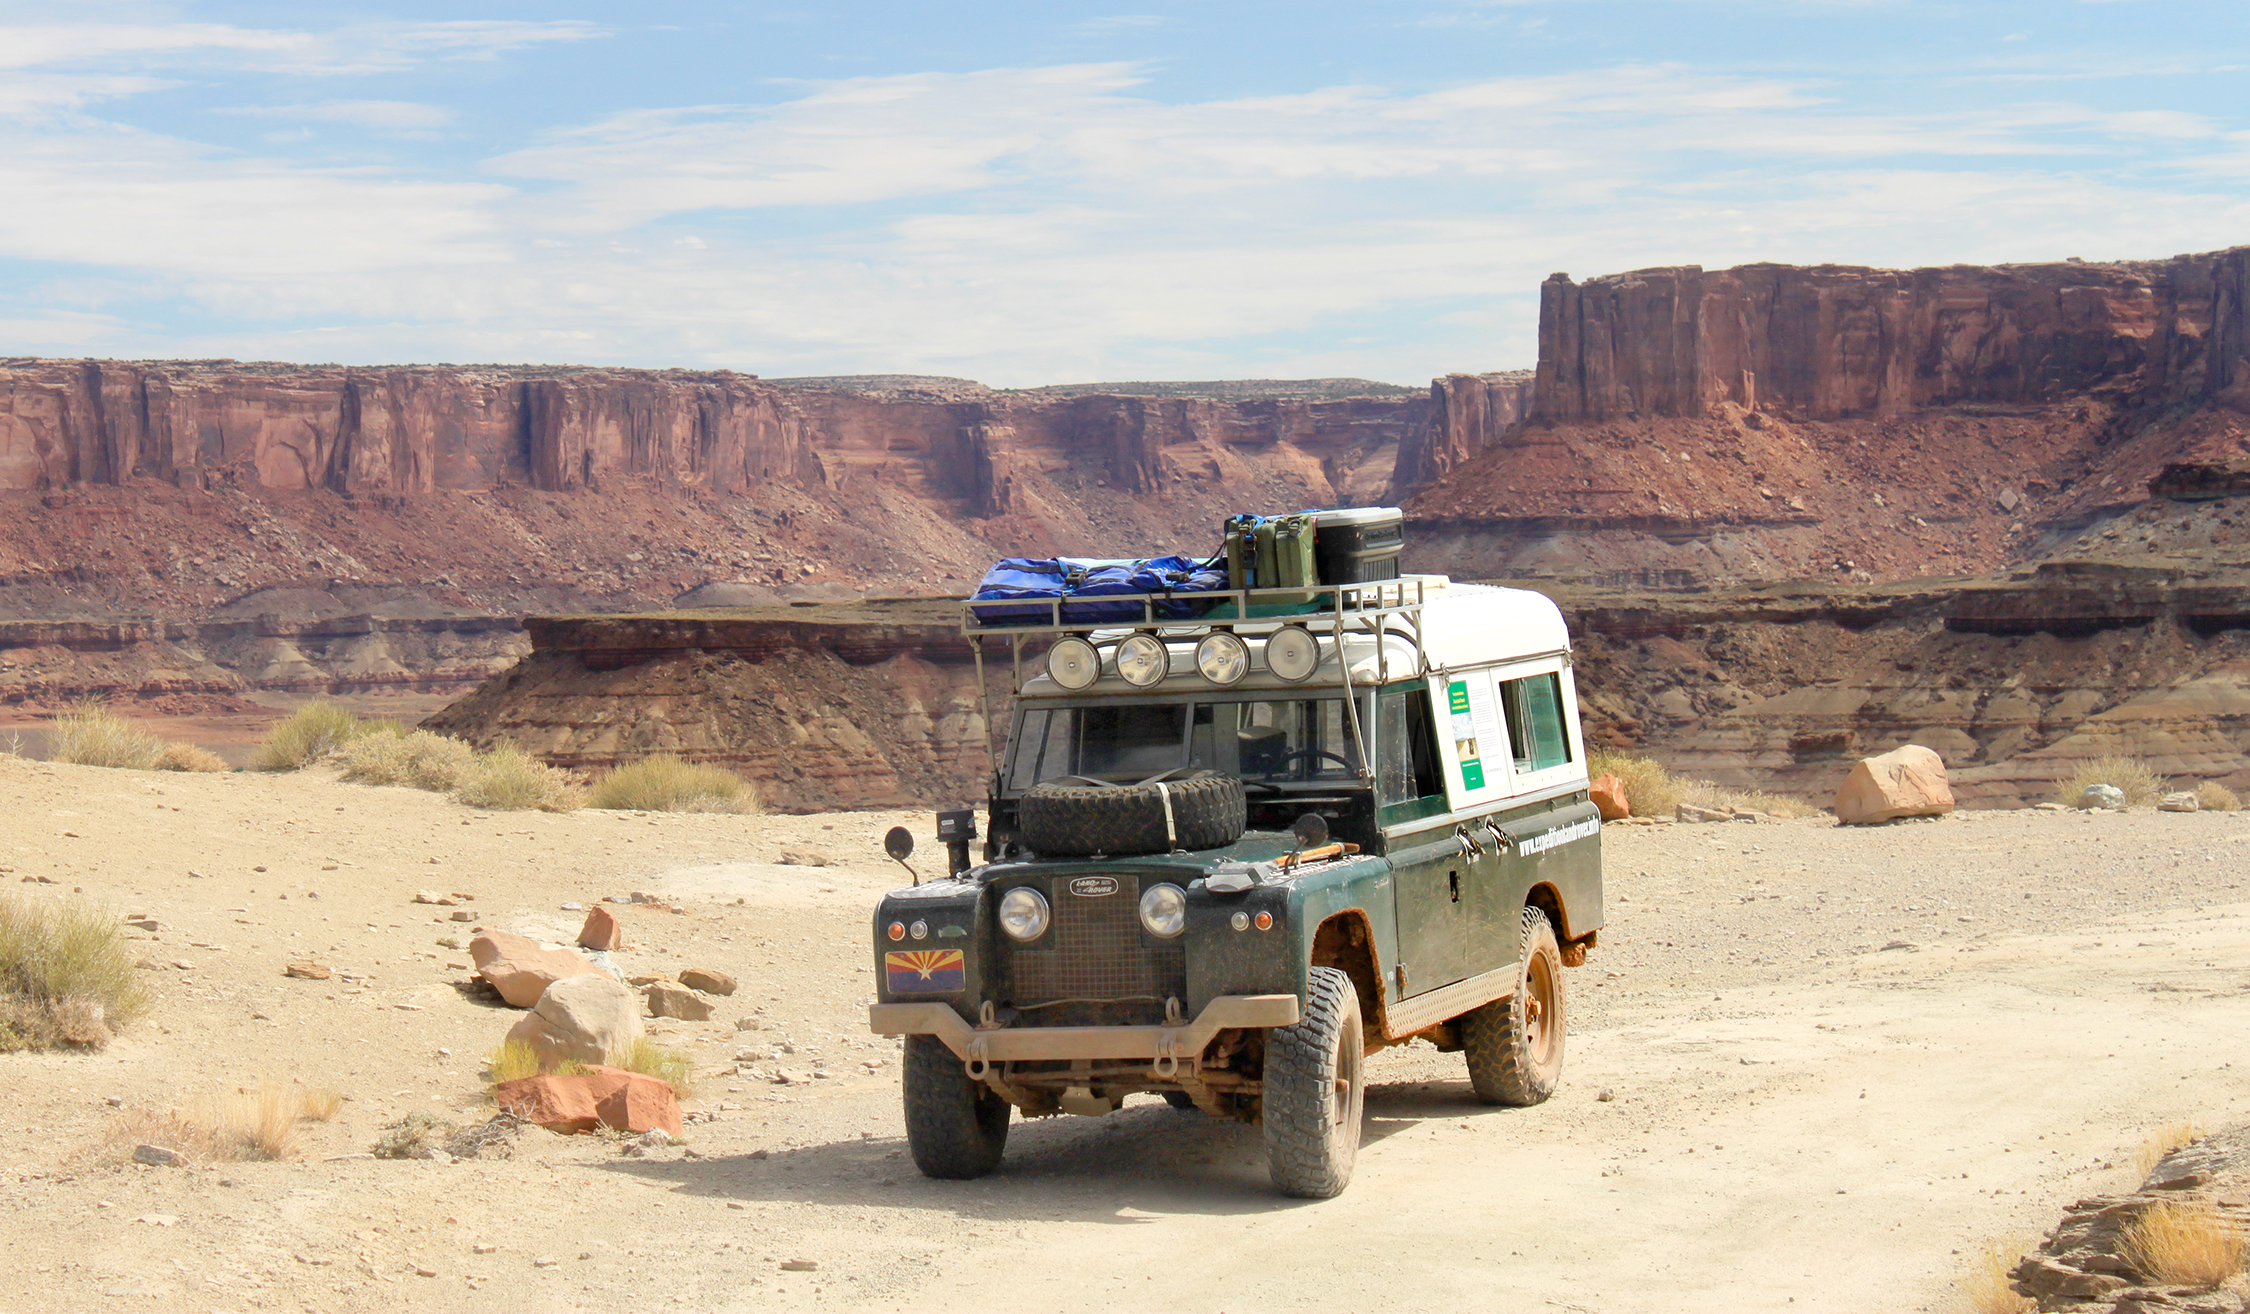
[
  {"x": 432, "y": 896},
  {"x": 748, "y": 1024},
  {"x": 800, "y": 1266},
  {"x": 666, "y": 999},
  {"x": 580, "y": 1019},
  {"x": 1906, "y": 782},
  {"x": 580, "y": 1102},
  {"x": 151, "y": 924},
  {"x": 2177, "y": 801},
  {"x": 183, "y": 964},
  {"x": 544, "y": 1262},
  {"x": 790, "y": 1077},
  {"x": 157, "y": 1156},
  {"x": 484, "y": 1248},
  {"x": 1608, "y": 795},
  {"x": 2049, "y": 807},
  {"x": 803, "y": 858},
  {"x": 1690, "y": 812},
  {"x": 1896, "y": 944},
  {"x": 642, "y": 1145},
  {"x": 2106, "y": 798},
  {"x": 463, "y": 915},
  {"x": 708, "y": 980},
  {"x": 602, "y": 930},
  {"x": 519, "y": 969},
  {"x": 645, "y": 979},
  {"x": 574, "y": 907},
  {"x": 1605, "y": 1097},
  {"x": 643, "y": 896}
]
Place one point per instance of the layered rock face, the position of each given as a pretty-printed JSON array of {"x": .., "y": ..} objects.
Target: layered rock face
[{"x": 1466, "y": 412}]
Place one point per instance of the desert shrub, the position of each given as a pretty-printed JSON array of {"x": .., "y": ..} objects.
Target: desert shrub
[
  {"x": 189, "y": 757},
  {"x": 508, "y": 779},
  {"x": 64, "y": 976},
  {"x": 2140, "y": 782},
  {"x": 665, "y": 783},
  {"x": 2188, "y": 1243},
  {"x": 415, "y": 758},
  {"x": 241, "y": 1124},
  {"x": 1650, "y": 790},
  {"x": 305, "y": 736},
  {"x": 1985, "y": 1286},
  {"x": 511, "y": 1060},
  {"x": 89, "y": 734},
  {"x": 2211, "y": 796},
  {"x": 650, "y": 1059}
]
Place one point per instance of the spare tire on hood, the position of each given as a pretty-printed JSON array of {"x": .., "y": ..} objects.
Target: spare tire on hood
[{"x": 1077, "y": 817}]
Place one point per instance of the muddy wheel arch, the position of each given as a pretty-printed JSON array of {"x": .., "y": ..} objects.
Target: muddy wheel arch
[{"x": 1347, "y": 943}]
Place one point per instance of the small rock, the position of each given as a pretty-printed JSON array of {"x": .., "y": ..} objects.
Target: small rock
[
  {"x": 484, "y": 1248},
  {"x": 1605, "y": 1097},
  {"x": 708, "y": 980},
  {"x": 1896, "y": 944},
  {"x": 800, "y": 1266},
  {"x": 748, "y": 1024},
  {"x": 574, "y": 907},
  {"x": 666, "y": 999},
  {"x": 151, "y": 924},
  {"x": 544, "y": 1262},
  {"x": 645, "y": 979},
  {"x": 643, "y": 896},
  {"x": 463, "y": 915},
  {"x": 803, "y": 858},
  {"x": 2177, "y": 801},
  {"x": 602, "y": 930},
  {"x": 1690, "y": 812},
  {"x": 789, "y": 1077},
  {"x": 433, "y": 897},
  {"x": 425, "y": 1272},
  {"x": 2049, "y": 807},
  {"x": 307, "y": 972},
  {"x": 1607, "y": 793},
  {"x": 183, "y": 964},
  {"x": 2107, "y": 798},
  {"x": 156, "y": 1156},
  {"x": 639, "y": 1147}
]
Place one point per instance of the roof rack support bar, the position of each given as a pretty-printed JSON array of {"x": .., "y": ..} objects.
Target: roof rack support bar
[
  {"x": 984, "y": 697},
  {"x": 1351, "y": 700}
]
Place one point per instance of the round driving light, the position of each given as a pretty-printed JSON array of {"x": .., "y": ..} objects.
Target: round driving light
[
  {"x": 1164, "y": 910},
  {"x": 1073, "y": 664},
  {"x": 1240, "y": 921},
  {"x": 1142, "y": 660},
  {"x": 1292, "y": 653},
  {"x": 898, "y": 930},
  {"x": 921, "y": 931},
  {"x": 1023, "y": 913},
  {"x": 1265, "y": 921},
  {"x": 1222, "y": 658}
]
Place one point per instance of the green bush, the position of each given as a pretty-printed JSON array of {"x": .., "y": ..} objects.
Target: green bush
[
  {"x": 509, "y": 779},
  {"x": 64, "y": 976},
  {"x": 417, "y": 759},
  {"x": 305, "y": 736},
  {"x": 665, "y": 783}
]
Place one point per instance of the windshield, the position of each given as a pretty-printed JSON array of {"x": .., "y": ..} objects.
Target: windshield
[{"x": 1264, "y": 741}]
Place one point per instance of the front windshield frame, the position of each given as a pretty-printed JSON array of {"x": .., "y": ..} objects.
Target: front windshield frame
[{"x": 1282, "y": 742}]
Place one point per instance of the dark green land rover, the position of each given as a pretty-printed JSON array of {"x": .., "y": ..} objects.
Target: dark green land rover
[{"x": 1227, "y": 860}]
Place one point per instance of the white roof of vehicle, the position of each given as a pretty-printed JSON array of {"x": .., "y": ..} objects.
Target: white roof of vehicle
[{"x": 1463, "y": 625}]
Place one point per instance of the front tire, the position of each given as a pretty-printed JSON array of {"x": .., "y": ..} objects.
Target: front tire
[
  {"x": 1314, "y": 1098},
  {"x": 956, "y": 1128},
  {"x": 1515, "y": 1045}
]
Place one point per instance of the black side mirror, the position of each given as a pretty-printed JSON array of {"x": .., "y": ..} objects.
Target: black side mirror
[
  {"x": 1311, "y": 830},
  {"x": 898, "y": 842}
]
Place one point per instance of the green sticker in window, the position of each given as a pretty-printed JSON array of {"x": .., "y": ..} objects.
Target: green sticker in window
[{"x": 1465, "y": 736}]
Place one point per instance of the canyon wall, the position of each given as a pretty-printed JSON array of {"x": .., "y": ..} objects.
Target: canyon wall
[{"x": 1466, "y": 412}]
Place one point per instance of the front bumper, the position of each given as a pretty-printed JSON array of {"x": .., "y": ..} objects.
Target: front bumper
[{"x": 1024, "y": 1044}]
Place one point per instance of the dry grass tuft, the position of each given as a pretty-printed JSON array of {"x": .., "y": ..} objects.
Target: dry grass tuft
[
  {"x": 89, "y": 734},
  {"x": 666, "y": 783},
  {"x": 2162, "y": 1141},
  {"x": 653, "y": 1060},
  {"x": 417, "y": 759},
  {"x": 1985, "y": 1287},
  {"x": 509, "y": 779},
  {"x": 190, "y": 757},
  {"x": 2211, "y": 796},
  {"x": 512, "y": 1060},
  {"x": 65, "y": 979},
  {"x": 1704, "y": 794},
  {"x": 243, "y": 1124},
  {"x": 2138, "y": 779},
  {"x": 1650, "y": 790},
  {"x": 305, "y": 736},
  {"x": 2186, "y": 1243}
]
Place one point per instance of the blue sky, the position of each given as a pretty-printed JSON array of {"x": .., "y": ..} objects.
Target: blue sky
[{"x": 1054, "y": 192}]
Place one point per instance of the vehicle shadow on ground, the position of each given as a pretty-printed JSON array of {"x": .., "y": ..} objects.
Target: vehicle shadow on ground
[{"x": 1148, "y": 1158}]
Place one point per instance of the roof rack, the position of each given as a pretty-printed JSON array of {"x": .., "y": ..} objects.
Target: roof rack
[{"x": 1374, "y": 609}]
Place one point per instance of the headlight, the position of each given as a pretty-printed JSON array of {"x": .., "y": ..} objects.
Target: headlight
[
  {"x": 1073, "y": 664},
  {"x": 1222, "y": 658},
  {"x": 1292, "y": 653},
  {"x": 1023, "y": 913},
  {"x": 1164, "y": 910},
  {"x": 1142, "y": 660}
]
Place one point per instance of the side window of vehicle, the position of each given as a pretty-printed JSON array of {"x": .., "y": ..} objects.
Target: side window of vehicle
[
  {"x": 1407, "y": 760},
  {"x": 1533, "y": 708}
]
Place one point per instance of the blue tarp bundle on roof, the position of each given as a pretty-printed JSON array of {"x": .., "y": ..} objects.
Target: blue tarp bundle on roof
[{"x": 1021, "y": 590}]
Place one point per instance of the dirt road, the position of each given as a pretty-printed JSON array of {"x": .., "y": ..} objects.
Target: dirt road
[{"x": 1799, "y": 1118}]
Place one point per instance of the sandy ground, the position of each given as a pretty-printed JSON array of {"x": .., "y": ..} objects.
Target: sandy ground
[{"x": 1801, "y": 1117}]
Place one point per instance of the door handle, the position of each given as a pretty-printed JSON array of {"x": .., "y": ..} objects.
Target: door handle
[{"x": 1469, "y": 846}]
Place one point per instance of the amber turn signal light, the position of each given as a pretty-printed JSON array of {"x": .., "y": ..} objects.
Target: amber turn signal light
[
  {"x": 1265, "y": 921},
  {"x": 898, "y": 930}
]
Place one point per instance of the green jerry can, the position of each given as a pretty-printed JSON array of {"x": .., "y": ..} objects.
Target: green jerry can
[{"x": 1293, "y": 563}]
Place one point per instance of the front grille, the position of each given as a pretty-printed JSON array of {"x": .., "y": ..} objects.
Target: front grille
[{"x": 1094, "y": 951}]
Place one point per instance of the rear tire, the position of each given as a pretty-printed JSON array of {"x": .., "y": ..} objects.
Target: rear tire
[
  {"x": 1181, "y": 1100},
  {"x": 1314, "y": 1098},
  {"x": 955, "y": 1128},
  {"x": 1515, "y": 1045}
]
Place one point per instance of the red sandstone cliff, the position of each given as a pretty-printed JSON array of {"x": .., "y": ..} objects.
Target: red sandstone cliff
[{"x": 1466, "y": 412}]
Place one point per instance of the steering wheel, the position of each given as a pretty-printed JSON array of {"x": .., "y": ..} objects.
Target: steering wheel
[{"x": 1338, "y": 758}]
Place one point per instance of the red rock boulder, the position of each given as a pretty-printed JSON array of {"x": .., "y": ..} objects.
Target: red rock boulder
[
  {"x": 582, "y": 1101},
  {"x": 1608, "y": 794},
  {"x": 602, "y": 930},
  {"x": 1905, "y": 782}
]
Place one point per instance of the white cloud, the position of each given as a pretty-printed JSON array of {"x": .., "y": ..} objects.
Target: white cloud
[
  {"x": 361, "y": 49},
  {"x": 382, "y": 115}
]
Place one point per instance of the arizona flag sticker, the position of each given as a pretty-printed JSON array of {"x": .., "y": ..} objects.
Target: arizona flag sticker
[{"x": 925, "y": 971}]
